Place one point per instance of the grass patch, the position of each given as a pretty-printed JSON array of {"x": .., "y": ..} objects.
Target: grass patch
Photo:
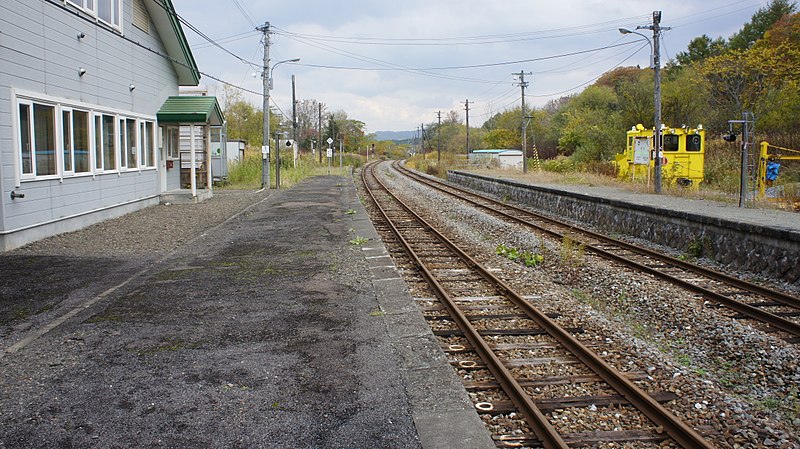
[
  {"x": 104, "y": 319},
  {"x": 376, "y": 312},
  {"x": 359, "y": 240}
]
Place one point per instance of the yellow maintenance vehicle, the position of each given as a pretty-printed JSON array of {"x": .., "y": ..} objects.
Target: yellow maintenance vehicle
[{"x": 683, "y": 155}]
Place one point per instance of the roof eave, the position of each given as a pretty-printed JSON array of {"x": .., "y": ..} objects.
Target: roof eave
[{"x": 174, "y": 40}]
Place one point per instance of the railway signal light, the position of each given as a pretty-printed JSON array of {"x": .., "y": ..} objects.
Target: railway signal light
[{"x": 729, "y": 137}]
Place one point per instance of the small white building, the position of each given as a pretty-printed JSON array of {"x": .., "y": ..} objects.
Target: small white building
[{"x": 499, "y": 158}]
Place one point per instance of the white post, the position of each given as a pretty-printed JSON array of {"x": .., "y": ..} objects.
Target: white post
[
  {"x": 209, "y": 177},
  {"x": 192, "y": 158}
]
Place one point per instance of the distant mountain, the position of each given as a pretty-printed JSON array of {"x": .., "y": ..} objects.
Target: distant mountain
[{"x": 394, "y": 135}]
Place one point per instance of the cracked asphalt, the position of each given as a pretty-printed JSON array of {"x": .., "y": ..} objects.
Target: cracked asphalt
[{"x": 263, "y": 332}]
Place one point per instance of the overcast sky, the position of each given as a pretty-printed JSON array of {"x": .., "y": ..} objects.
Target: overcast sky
[{"x": 393, "y": 65}]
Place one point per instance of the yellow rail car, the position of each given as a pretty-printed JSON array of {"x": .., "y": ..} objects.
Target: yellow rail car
[{"x": 683, "y": 154}]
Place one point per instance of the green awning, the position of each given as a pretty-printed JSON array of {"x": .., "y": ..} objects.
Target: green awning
[{"x": 190, "y": 109}]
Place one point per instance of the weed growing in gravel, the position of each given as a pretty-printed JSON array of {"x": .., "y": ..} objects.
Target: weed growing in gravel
[
  {"x": 527, "y": 258},
  {"x": 376, "y": 312},
  {"x": 359, "y": 240},
  {"x": 350, "y": 212},
  {"x": 572, "y": 253}
]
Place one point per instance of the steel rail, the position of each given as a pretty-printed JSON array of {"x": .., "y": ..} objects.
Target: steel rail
[
  {"x": 738, "y": 306},
  {"x": 533, "y": 416},
  {"x": 672, "y": 425}
]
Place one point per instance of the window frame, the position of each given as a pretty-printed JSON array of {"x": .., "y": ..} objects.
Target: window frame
[
  {"x": 96, "y": 127},
  {"x": 92, "y": 7},
  {"x": 18, "y": 153}
]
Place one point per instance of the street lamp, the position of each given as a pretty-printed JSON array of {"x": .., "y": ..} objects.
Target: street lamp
[
  {"x": 267, "y": 78},
  {"x": 656, "y": 64}
]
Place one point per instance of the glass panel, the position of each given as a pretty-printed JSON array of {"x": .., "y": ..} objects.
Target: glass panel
[
  {"x": 80, "y": 129},
  {"x": 25, "y": 139},
  {"x": 66, "y": 131},
  {"x": 104, "y": 10},
  {"x": 692, "y": 142},
  {"x": 131, "y": 147},
  {"x": 123, "y": 159},
  {"x": 98, "y": 142},
  {"x": 109, "y": 143},
  {"x": 115, "y": 6},
  {"x": 90, "y": 4},
  {"x": 44, "y": 130},
  {"x": 149, "y": 146},
  {"x": 670, "y": 142}
]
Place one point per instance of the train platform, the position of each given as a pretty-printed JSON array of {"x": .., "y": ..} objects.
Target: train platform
[
  {"x": 287, "y": 325},
  {"x": 764, "y": 242},
  {"x": 766, "y": 217}
]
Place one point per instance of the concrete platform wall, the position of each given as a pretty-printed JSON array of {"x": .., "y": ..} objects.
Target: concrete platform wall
[{"x": 771, "y": 252}]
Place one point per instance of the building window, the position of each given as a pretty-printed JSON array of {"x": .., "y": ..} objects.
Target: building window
[
  {"x": 25, "y": 139},
  {"x": 66, "y": 133},
  {"x": 128, "y": 140},
  {"x": 55, "y": 139},
  {"x": 147, "y": 135},
  {"x": 109, "y": 11},
  {"x": 80, "y": 136},
  {"x": 109, "y": 143},
  {"x": 37, "y": 131}
]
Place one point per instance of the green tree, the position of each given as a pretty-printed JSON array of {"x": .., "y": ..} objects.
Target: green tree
[
  {"x": 701, "y": 48},
  {"x": 762, "y": 20}
]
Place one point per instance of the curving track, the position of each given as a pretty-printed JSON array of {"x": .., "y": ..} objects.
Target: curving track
[
  {"x": 779, "y": 311},
  {"x": 477, "y": 304}
]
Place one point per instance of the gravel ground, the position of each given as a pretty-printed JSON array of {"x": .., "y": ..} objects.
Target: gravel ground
[
  {"x": 742, "y": 382},
  {"x": 113, "y": 248}
]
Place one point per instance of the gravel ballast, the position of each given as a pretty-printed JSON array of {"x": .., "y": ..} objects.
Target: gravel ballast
[{"x": 730, "y": 376}]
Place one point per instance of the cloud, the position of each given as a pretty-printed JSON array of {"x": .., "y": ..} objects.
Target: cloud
[{"x": 448, "y": 33}]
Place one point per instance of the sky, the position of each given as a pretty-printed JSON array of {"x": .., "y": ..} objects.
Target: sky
[{"x": 394, "y": 65}]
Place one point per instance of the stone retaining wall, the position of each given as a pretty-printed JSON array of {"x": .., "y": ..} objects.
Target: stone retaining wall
[{"x": 771, "y": 252}]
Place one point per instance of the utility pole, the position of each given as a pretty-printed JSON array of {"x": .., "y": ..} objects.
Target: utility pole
[
  {"x": 657, "y": 140},
  {"x": 265, "y": 107},
  {"x": 294, "y": 113},
  {"x": 319, "y": 132},
  {"x": 466, "y": 107},
  {"x": 523, "y": 84},
  {"x": 439, "y": 139},
  {"x": 422, "y": 127}
]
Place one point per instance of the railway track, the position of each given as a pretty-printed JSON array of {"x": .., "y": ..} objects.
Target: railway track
[
  {"x": 520, "y": 361},
  {"x": 779, "y": 311}
]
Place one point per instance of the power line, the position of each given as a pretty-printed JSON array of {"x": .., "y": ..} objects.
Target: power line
[
  {"x": 201, "y": 34},
  {"x": 244, "y": 13},
  {"x": 596, "y": 77},
  {"x": 473, "y": 40}
]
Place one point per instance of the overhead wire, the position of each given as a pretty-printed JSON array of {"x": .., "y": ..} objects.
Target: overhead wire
[
  {"x": 244, "y": 13},
  {"x": 201, "y": 34},
  {"x": 472, "y": 40},
  {"x": 593, "y": 79}
]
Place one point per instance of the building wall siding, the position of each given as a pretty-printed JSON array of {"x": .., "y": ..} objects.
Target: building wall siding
[{"x": 41, "y": 54}]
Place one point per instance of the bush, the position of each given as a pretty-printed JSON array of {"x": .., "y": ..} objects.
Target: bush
[{"x": 561, "y": 164}]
